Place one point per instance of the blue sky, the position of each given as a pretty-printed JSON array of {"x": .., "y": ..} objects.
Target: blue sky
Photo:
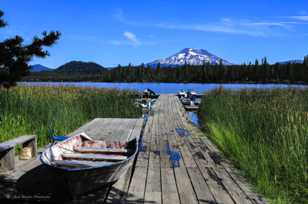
[{"x": 122, "y": 32}]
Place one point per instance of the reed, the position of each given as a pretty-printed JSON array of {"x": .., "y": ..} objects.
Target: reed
[
  {"x": 59, "y": 110},
  {"x": 265, "y": 133}
]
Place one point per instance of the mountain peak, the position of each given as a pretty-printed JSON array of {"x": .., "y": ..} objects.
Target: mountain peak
[
  {"x": 39, "y": 68},
  {"x": 80, "y": 67},
  {"x": 190, "y": 56},
  {"x": 187, "y": 50}
]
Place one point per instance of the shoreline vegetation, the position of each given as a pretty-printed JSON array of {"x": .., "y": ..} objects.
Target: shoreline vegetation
[
  {"x": 264, "y": 133},
  {"x": 259, "y": 72},
  {"x": 46, "y": 111}
]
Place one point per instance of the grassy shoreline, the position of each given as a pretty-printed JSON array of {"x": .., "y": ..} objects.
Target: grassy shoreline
[
  {"x": 59, "y": 110},
  {"x": 265, "y": 133}
]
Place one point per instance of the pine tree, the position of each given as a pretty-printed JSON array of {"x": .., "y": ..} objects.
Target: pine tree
[
  {"x": 306, "y": 61},
  {"x": 264, "y": 61},
  {"x": 15, "y": 56},
  {"x": 158, "y": 72},
  {"x": 142, "y": 72},
  {"x": 220, "y": 63},
  {"x": 129, "y": 72}
]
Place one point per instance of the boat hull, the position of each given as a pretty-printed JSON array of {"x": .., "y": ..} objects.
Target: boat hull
[
  {"x": 79, "y": 181},
  {"x": 83, "y": 181}
]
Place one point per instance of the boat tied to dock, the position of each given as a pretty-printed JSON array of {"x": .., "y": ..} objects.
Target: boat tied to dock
[{"x": 83, "y": 164}]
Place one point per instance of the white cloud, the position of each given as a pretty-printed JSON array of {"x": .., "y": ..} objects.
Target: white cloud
[
  {"x": 231, "y": 26},
  {"x": 131, "y": 37},
  {"x": 249, "y": 27},
  {"x": 217, "y": 28},
  {"x": 301, "y": 18}
]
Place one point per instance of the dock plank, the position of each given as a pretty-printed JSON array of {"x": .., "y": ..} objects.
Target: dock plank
[
  {"x": 200, "y": 186},
  {"x": 136, "y": 189},
  {"x": 153, "y": 185},
  {"x": 183, "y": 181}
]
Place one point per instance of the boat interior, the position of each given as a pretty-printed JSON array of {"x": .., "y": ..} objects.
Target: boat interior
[{"x": 82, "y": 151}]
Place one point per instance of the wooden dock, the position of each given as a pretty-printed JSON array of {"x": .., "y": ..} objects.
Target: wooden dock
[{"x": 203, "y": 175}]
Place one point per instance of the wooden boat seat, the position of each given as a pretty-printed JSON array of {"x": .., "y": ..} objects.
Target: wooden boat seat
[
  {"x": 93, "y": 157},
  {"x": 77, "y": 163},
  {"x": 100, "y": 150}
]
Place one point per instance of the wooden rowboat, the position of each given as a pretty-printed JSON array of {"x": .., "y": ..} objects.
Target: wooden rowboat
[{"x": 82, "y": 164}]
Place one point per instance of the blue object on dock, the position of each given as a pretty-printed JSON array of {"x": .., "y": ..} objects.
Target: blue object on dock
[
  {"x": 141, "y": 145},
  {"x": 182, "y": 132},
  {"x": 174, "y": 156},
  {"x": 59, "y": 138}
]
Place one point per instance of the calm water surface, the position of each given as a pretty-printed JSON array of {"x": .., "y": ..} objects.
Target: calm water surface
[{"x": 161, "y": 88}]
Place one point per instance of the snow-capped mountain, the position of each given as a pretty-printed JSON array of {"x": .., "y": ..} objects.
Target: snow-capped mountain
[{"x": 190, "y": 56}]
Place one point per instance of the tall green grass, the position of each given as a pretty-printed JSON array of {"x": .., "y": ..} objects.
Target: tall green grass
[
  {"x": 265, "y": 133},
  {"x": 58, "y": 110}
]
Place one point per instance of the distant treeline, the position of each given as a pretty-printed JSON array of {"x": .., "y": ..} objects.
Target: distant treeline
[{"x": 259, "y": 72}]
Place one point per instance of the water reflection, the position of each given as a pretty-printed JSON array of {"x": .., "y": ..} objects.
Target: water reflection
[
  {"x": 161, "y": 88},
  {"x": 193, "y": 117}
]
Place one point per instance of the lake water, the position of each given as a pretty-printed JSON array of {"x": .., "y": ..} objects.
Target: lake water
[
  {"x": 193, "y": 117},
  {"x": 161, "y": 88}
]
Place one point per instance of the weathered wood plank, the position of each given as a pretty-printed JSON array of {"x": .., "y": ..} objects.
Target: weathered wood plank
[
  {"x": 7, "y": 160},
  {"x": 201, "y": 188},
  {"x": 108, "y": 128},
  {"x": 185, "y": 188},
  {"x": 184, "y": 185},
  {"x": 203, "y": 193},
  {"x": 143, "y": 155},
  {"x": 168, "y": 183},
  {"x": 169, "y": 187},
  {"x": 214, "y": 191},
  {"x": 137, "y": 186},
  {"x": 153, "y": 184},
  {"x": 18, "y": 140}
]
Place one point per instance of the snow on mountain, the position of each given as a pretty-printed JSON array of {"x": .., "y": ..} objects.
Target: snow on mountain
[{"x": 190, "y": 56}]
